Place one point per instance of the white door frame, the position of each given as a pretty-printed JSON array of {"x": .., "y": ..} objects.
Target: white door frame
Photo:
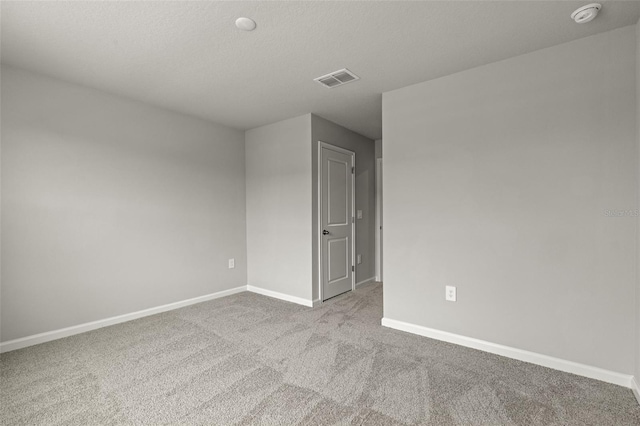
[
  {"x": 353, "y": 212},
  {"x": 379, "y": 219}
]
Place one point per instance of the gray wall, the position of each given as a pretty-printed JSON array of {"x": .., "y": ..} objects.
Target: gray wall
[
  {"x": 329, "y": 132},
  {"x": 378, "y": 143},
  {"x": 637, "y": 372},
  {"x": 278, "y": 178},
  {"x": 111, "y": 206},
  {"x": 497, "y": 181}
]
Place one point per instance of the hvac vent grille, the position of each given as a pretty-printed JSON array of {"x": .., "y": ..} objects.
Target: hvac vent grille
[{"x": 337, "y": 78}]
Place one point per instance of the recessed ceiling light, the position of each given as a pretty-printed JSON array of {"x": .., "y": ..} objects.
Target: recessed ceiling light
[
  {"x": 586, "y": 13},
  {"x": 246, "y": 24}
]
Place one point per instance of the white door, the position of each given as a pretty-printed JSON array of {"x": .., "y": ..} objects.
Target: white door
[{"x": 336, "y": 220}]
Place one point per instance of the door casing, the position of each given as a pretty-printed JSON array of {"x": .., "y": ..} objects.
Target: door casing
[
  {"x": 379, "y": 220},
  {"x": 322, "y": 145}
]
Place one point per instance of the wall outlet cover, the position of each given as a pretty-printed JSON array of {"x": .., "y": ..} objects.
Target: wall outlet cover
[
  {"x": 232, "y": 263},
  {"x": 359, "y": 259},
  {"x": 450, "y": 293}
]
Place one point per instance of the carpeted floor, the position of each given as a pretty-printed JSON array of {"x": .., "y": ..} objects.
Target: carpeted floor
[{"x": 249, "y": 359}]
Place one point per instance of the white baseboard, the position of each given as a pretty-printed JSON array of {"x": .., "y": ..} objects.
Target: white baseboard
[
  {"x": 519, "y": 354},
  {"x": 281, "y": 296},
  {"x": 368, "y": 280},
  {"x": 48, "y": 336},
  {"x": 635, "y": 388},
  {"x": 317, "y": 302},
  {"x": 35, "y": 339}
]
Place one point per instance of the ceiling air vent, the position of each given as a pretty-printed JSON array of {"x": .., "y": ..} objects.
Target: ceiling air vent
[{"x": 337, "y": 78}]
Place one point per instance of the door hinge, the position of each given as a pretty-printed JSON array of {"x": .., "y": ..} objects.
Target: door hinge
[
  {"x": 353, "y": 268},
  {"x": 353, "y": 170}
]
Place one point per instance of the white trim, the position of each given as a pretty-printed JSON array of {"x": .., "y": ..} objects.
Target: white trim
[
  {"x": 317, "y": 302},
  {"x": 519, "y": 354},
  {"x": 379, "y": 219},
  {"x": 281, "y": 296},
  {"x": 319, "y": 218},
  {"x": 368, "y": 280},
  {"x": 318, "y": 223},
  {"x": 635, "y": 388},
  {"x": 353, "y": 213},
  {"x": 48, "y": 336}
]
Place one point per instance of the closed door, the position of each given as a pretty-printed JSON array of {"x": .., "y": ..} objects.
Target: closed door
[{"x": 336, "y": 223}]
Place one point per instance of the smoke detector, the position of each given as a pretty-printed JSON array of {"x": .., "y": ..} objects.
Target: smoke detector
[
  {"x": 337, "y": 78},
  {"x": 586, "y": 13}
]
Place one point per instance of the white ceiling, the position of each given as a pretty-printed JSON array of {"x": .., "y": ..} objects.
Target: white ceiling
[{"x": 189, "y": 56}]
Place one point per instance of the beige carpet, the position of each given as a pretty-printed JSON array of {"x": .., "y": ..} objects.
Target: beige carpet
[{"x": 249, "y": 359}]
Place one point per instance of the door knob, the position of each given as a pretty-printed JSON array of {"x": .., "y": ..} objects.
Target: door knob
[{"x": 325, "y": 232}]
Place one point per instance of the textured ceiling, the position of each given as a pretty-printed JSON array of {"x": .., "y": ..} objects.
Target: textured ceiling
[{"x": 189, "y": 57}]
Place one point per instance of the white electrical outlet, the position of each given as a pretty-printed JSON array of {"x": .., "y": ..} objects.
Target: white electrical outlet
[
  {"x": 359, "y": 214},
  {"x": 450, "y": 294},
  {"x": 359, "y": 258},
  {"x": 232, "y": 263}
]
